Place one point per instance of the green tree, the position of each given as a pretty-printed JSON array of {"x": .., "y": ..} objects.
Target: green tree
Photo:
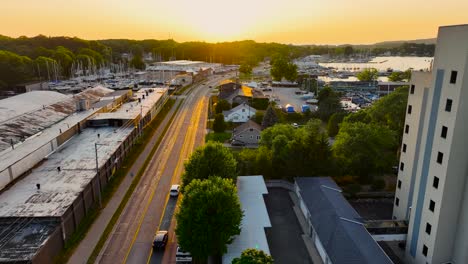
[
  {"x": 282, "y": 67},
  {"x": 348, "y": 50},
  {"x": 290, "y": 72},
  {"x": 218, "y": 124},
  {"x": 209, "y": 217},
  {"x": 222, "y": 105},
  {"x": 398, "y": 76},
  {"x": 245, "y": 69},
  {"x": 208, "y": 160},
  {"x": 137, "y": 63},
  {"x": 253, "y": 256},
  {"x": 328, "y": 103},
  {"x": 334, "y": 122},
  {"x": 368, "y": 75},
  {"x": 390, "y": 110},
  {"x": 364, "y": 149},
  {"x": 270, "y": 118}
]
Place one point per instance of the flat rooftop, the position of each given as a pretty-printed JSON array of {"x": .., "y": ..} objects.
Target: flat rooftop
[
  {"x": 250, "y": 190},
  {"x": 132, "y": 110},
  {"x": 42, "y": 110},
  {"x": 22, "y": 238},
  {"x": 58, "y": 190}
]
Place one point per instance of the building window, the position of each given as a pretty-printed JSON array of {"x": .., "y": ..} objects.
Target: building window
[
  {"x": 402, "y": 166},
  {"x": 243, "y": 110},
  {"x": 424, "y": 251},
  {"x": 448, "y": 105},
  {"x": 431, "y": 206},
  {"x": 412, "y": 89},
  {"x": 258, "y": 137},
  {"x": 435, "y": 182},
  {"x": 240, "y": 136},
  {"x": 443, "y": 134},
  {"x": 440, "y": 157},
  {"x": 407, "y": 129},
  {"x": 453, "y": 77},
  {"x": 428, "y": 228},
  {"x": 404, "y": 148},
  {"x": 399, "y": 184},
  {"x": 397, "y": 201},
  {"x": 251, "y": 137},
  {"x": 410, "y": 108}
]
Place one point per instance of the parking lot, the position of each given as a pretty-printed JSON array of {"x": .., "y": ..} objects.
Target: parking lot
[
  {"x": 287, "y": 96},
  {"x": 285, "y": 235}
]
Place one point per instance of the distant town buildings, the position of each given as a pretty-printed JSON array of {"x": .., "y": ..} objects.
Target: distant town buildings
[{"x": 432, "y": 186}]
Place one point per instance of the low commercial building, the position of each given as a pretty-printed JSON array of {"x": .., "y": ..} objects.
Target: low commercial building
[
  {"x": 384, "y": 88},
  {"x": 250, "y": 190},
  {"x": 336, "y": 229},
  {"x": 66, "y": 167}
]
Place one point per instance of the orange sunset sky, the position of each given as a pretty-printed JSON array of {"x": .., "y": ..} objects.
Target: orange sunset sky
[{"x": 285, "y": 21}]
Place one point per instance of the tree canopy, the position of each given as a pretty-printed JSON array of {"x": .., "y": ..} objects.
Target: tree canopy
[
  {"x": 270, "y": 118},
  {"x": 398, "y": 76},
  {"x": 328, "y": 103},
  {"x": 218, "y": 124},
  {"x": 253, "y": 256},
  {"x": 222, "y": 105},
  {"x": 368, "y": 75},
  {"x": 363, "y": 149},
  {"x": 282, "y": 67},
  {"x": 209, "y": 217},
  {"x": 209, "y": 160}
]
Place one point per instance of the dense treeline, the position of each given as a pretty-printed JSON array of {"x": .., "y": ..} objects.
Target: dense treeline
[{"x": 24, "y": 59}]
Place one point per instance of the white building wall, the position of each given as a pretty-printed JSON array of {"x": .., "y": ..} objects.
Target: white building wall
[
  {"x": 447, "y": 241},
  {"x": 420, "y": 81}
]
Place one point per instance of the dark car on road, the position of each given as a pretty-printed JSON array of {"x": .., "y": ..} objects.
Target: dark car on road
[{"x": 160, "y": 240}]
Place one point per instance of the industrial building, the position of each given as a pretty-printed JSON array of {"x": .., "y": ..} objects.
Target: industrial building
[
  {"x": 58, "y": 153},
  {"x": 431, "y": 190}
]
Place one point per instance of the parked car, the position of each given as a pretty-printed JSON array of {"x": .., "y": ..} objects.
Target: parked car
[
  {"x": 183, "y": 256},
  {"x": 174, "y": 190},
  {"x": 237, "y": 143},
  {"x": 160, "y": 240},
  {"x": 295, "y": 125}
]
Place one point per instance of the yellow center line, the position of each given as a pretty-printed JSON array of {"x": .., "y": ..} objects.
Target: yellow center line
[
  {"x": 170, "y": 143},
  {"x": 185, "y": 151}
]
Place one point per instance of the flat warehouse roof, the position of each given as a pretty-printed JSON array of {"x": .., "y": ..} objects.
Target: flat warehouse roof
[
  {"x": 22, "y": 237},
  {"x": 132, "y": 109},
  {"x": 59, "y": 189}
]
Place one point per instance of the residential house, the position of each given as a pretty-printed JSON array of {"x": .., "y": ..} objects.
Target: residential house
[
  {"x": 239, "y": 114},
  {"x": 248, "y": 133}
]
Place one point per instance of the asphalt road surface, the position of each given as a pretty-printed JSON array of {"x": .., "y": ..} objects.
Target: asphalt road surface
[{"x": 150, "y": 207}]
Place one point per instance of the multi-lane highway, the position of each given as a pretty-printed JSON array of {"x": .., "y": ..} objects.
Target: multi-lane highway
[{"x": 150, "y": 208}]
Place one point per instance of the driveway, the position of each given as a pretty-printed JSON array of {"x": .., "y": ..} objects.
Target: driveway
[{"x": 285, "y": 235}]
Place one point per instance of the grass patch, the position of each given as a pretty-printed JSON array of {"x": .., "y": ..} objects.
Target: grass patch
[
  {"x": 113, "y": 184},
  {"x": 130, "y": 190},
  {"x": 183, "y": 89},
  {"x": 218, "y": 137}
]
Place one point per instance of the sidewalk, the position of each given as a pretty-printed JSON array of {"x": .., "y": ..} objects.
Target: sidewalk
[{"x": 87, "y": 245}]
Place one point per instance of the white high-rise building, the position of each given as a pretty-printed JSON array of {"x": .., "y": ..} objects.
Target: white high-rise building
[{"x": 432, "y": 190}]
